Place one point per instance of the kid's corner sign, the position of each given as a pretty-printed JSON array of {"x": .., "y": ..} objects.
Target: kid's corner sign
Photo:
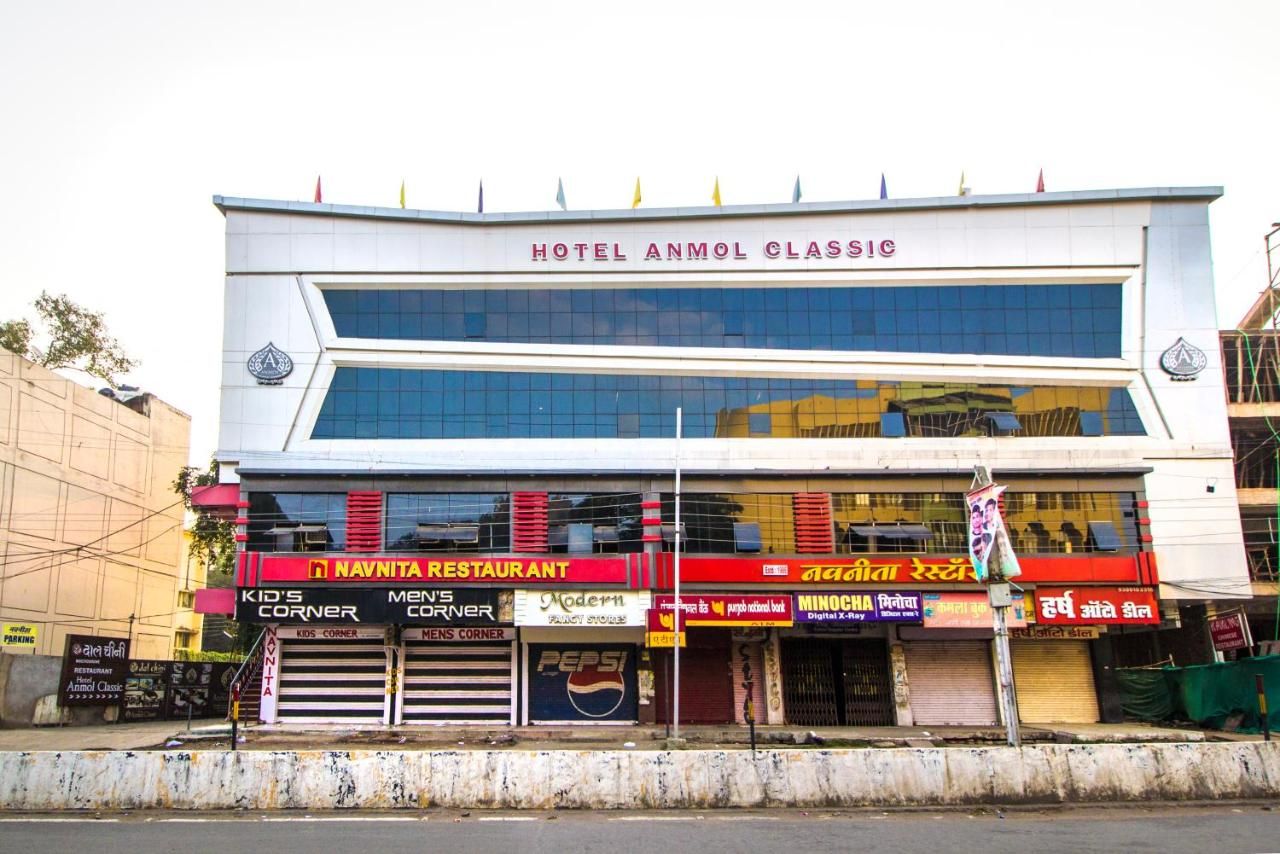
[{"x": 708, "y": 250}]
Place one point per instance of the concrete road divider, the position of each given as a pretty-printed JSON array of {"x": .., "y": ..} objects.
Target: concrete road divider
[{"x": 388, "y": 779}]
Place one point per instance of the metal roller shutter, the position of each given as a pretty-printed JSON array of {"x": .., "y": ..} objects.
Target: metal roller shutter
[
  {"x": 950, "y": 682},
  {"x": 706, "y": 681},
  {"x": 458, "y": 683},
  {"x": 1054, "y": 681},
  {"x": 333, "y": 680}
]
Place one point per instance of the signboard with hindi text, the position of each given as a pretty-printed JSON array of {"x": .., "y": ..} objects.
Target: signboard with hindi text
[
  {"x": 21, "y": 635},
  {"x": 857, "y": 607},
  {"x": 969, "y": 611},
  {"x": 728, "y": 609},
  {"x": 1084, "y": 606},
  {"x": 93, "y": 671}
]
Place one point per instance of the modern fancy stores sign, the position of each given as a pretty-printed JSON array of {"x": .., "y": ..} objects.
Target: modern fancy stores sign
[{"x": 581, "y": 607}]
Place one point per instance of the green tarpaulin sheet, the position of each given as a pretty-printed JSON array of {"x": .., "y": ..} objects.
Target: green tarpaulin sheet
[
  {"x": 1146, "y": 694},
  {"x": 1210, "y": 693}
]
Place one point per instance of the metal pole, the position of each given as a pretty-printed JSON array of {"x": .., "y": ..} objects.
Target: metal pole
[
  {"x": 1262, "y": 706},
  {"x": 1004, "y": 664},
  {"x": 675, "y": 702}
]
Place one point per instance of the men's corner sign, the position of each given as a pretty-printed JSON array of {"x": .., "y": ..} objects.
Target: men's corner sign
[
  {"x": 93, "y": 671},
  {"x": 433, "y": 606},
  {"x": 582, "y": 682},
  {"x": 990, "y": 551},
  {"x": 376, "y": 570}
]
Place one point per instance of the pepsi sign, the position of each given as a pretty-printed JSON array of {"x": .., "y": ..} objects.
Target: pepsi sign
[{"x": 582, "y": 682}]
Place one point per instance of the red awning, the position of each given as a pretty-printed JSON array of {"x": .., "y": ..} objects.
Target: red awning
[{"x": 219, "y": 500}]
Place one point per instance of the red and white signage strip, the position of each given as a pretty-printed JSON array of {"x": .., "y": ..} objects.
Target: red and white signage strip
[
  {"x": 330, "y": 632},
  {"x": 716, "y": 609},
  {"x": 450, "y": 634},
  {"x": 1096, "y": 606}
]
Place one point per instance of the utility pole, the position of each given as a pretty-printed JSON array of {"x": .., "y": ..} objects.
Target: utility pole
[
  {"x": 675, "y": 653},
  {"x": 1000, "y": 598}
]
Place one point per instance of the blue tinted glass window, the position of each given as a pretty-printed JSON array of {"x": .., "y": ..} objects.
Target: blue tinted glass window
[{"x": 393, "y": 403}]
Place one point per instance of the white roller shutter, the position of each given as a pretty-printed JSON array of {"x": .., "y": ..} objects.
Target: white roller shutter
[
  {"x": 333, "y": 681},
  {"x": 950, "y": 682},
  {"x": 459, "y": 682},
  {"x": 1054, "y": 681}
]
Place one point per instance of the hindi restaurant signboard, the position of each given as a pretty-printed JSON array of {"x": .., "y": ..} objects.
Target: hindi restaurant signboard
[{"x": 93, "y": 671}]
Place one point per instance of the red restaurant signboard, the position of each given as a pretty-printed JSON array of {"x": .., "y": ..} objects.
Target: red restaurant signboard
[
  {"x": 1092, "y": 606},
  {"x": 727, "y": 609},
  {"x": 1230, "y": 631},
  {"x": 390, "y": 569},
  {"x": 903, "y": 570}
]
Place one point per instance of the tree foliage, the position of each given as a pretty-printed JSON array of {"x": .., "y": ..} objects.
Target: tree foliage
[
  {"x": 213, "y": 540},
  {"x": 76, "y": 338}
]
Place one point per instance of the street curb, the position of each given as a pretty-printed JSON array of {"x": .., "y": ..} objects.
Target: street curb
[{"x": 572, "y": 779}]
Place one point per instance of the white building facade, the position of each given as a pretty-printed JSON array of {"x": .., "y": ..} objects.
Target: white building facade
[{"x": 479, "y": 410}]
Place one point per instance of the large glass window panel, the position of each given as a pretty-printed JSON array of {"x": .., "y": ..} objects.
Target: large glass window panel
[
  {"x": 1083, "y": 320},
  {"x": 448, "y": 522},
  {"x": 401, "y": 403},
  {"x": 297, "y": 521}
]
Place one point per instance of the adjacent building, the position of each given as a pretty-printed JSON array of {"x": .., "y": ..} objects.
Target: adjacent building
[
  {"x": 449, "y": 442},
  {"x": 90, "y": 528}
]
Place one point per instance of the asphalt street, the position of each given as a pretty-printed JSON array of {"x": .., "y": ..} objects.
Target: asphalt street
[{"x": 1217, "y": 830}]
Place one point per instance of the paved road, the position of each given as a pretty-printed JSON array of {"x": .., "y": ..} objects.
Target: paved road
[{"x": 1216, "y": 830}]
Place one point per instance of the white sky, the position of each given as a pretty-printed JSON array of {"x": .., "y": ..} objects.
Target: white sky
[{"x": 119, "y": 121}]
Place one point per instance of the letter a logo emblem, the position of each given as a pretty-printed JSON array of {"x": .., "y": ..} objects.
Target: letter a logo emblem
[{"x": 318, "y": 569}]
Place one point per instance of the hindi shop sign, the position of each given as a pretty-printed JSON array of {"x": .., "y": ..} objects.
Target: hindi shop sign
[
  {"x": 1230, "y": 631},
  {"x": 857, "y": 607},
  {"x": 581, "y": 607},
  {"x": 22, "y": 635},
  {"x": 422, "y": 606},
  {"x": 93, "y": 671},
  {"x": 393, "y": 569},
  {"x": 1090, "y": 606},
  {"x": 969, "y": 611},
  {"x": 720, "y": 609}
]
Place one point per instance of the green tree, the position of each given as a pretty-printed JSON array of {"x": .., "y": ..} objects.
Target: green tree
[
  {"x": 75, "y": 337},
  {"x": 213, "y": 539}
]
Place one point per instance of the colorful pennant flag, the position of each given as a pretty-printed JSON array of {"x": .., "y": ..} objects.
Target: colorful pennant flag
[
  {"x": 402, "y": 192},
  {"x": 560, "y": 194},
  {"x": 480, "y": 200},
  {"x": 795, "y": 193},
  {"x": 715, "y": 193},
  {"x": 635, "y": 199},
  {"x": 1040, "y": 182},
  {"x": 319, "y": 195},
  {"x": 884, "y": 188}
]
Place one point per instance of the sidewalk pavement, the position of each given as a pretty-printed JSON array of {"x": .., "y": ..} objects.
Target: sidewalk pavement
[{"x": 215, "y": 735}]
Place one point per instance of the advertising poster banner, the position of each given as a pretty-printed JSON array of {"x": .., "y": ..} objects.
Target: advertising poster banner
[
  {"x": 969, "y": 611},
  {"x": 1084, "y": 606},
  {"x": 728, "y": 609},
  {"x": 442, "y": 571},
  {"x": 857, "y": 607},
  {"x": 190, "y": 686},
  {"x": 145, "y": 690},
  {"x": 422, "y": 606},
  {"x": 93, "y": 671},
  {"x": 988, "y": 540},
  {"x": 582, "y": 683}
]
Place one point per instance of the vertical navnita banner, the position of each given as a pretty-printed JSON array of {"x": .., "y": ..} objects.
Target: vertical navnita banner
[{"x": 986, "y": 530}]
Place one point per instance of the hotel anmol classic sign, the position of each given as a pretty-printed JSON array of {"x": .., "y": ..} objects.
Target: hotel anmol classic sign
[{"x": 714, "y": 250}]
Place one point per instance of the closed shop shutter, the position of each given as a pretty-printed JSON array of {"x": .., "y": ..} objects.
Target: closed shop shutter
[
  {"x": 458, "y": 683},
  {"x": 333, "y": 680},
  {"x": 1054, "y": 681},
  {"x": 950, "y": 682},
  {"x": 706, "y": 683}
]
